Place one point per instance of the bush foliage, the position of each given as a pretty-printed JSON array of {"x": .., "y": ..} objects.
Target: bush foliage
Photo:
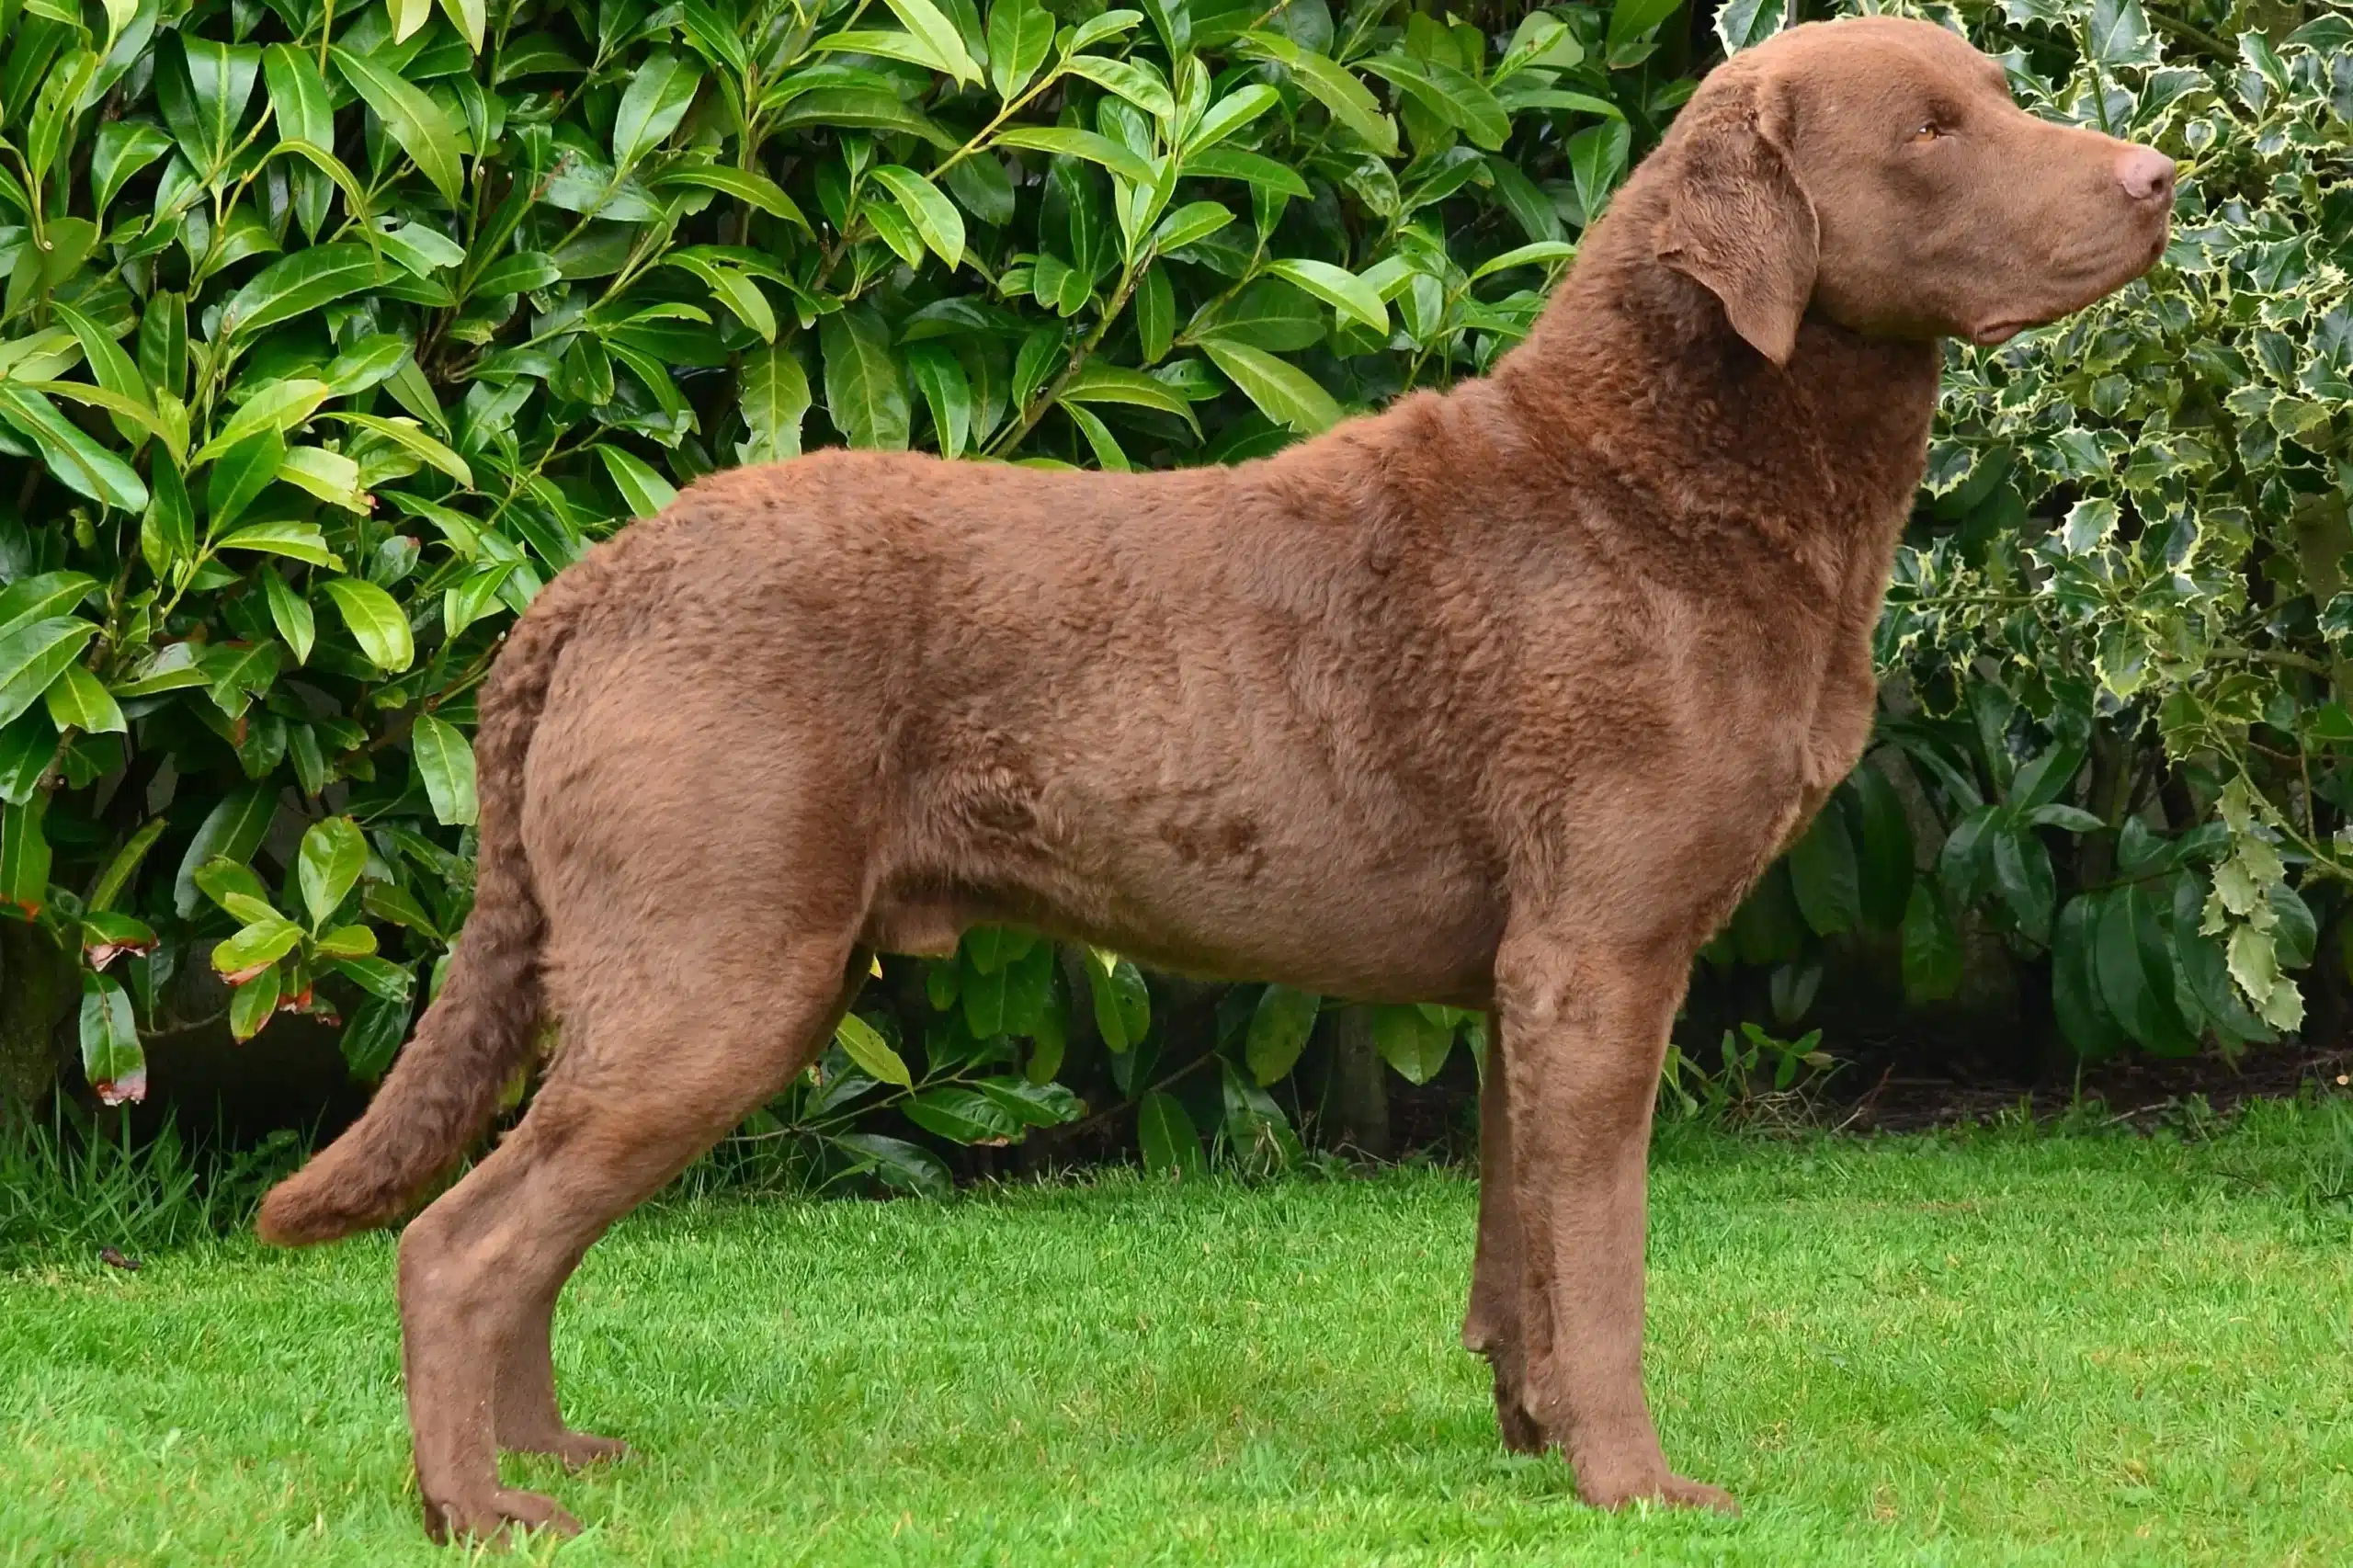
[
  {"x": 2115, "y": 651},
  {"x": 330, "y": 334}
]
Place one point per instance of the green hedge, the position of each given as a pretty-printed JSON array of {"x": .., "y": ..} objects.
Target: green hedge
[{"x": 330, "y": 334}]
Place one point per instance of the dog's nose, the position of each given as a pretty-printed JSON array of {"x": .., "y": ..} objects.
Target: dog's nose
[{"x": 2146, "y": 174}]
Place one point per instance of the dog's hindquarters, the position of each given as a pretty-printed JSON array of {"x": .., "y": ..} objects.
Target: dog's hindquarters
[{"x": 444, "y": 1089}]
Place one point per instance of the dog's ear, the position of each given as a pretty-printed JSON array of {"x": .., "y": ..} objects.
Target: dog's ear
[{"x": 1737, "y": 220}]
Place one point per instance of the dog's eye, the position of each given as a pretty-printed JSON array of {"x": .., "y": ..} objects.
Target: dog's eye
[{"x": 1928, "y": 131}]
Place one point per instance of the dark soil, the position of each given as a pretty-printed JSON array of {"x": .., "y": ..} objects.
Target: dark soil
[{"x": 2137, "y": 1090}]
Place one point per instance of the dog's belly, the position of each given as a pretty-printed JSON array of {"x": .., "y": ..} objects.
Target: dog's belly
[
  {"x": 1218, "y": 892},
  {"x": 1448, "y": 961}
]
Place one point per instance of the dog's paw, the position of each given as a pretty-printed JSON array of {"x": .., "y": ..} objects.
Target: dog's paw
[
  {"x": 1673, "y": 1492},
  {"x": 1682, "y": 1492},
  {"x": 1522, "y": 1433},
  {"x": 495, "y": 1517},
  {"x": 574, "y": 1450}
]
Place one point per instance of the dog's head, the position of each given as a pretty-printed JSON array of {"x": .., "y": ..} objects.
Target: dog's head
[{"x": 1876, "y": 172}]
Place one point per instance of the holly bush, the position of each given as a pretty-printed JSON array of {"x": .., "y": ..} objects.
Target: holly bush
[
  {"x": 2115, "y": 655},
  {"x": 331, "y": 333}
]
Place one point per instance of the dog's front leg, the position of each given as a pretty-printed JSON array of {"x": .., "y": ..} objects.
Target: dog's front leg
[
  {"x": 1494, "y": 1326},
  {"x": 1585, "y": 1026}
]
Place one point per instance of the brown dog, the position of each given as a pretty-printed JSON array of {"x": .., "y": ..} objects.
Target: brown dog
[{"x": 1498, "y": 699}]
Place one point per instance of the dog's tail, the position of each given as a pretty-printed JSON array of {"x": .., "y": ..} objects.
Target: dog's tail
[{"x": 444, "y": 1088}]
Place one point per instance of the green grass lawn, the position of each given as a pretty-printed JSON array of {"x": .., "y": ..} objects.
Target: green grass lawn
[{"x": 1971, "y": 1349}]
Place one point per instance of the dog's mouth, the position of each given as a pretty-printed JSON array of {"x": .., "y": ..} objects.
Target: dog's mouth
[{"x": 2084, "y": 279}]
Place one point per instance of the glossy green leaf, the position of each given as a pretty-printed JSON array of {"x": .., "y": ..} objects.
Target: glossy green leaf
[
  {"x": 859, "y": 108},
  {"x": 1882, "y": 848},
  {"x": 1284, "y": 392},
  {"x": 1084, "y": 144},
  {"x": 1141, "y": 85},
  {"x": 374, "y": 618},
  {"x": 1411, "y": 1042},
  {"x": 1337, "y": 287},
  {"x": 119, "y": 152},
  {"x": 107, "y": 936},
  {"x": 518, "y": 274},
  {"x": 77, "y": 700},
  {"x": 112, "y": 368},
  {"x": 1099, "y": 382},
  {"x": 263, "y": 942},
  {"x": 294, "y": 285},
  {"x": 1931, "y": 946},
  {"x": 2022, "y": 870},
  {"x": 1742, "y": 24},
  {"x": 1232, "y": 163},
  {"x": 204, "y": 98},
  {"x": 1171, "y": 1146},
  {"x": 112, "y": 1061},
  {"x": 330, "y": 476},
  {"x": 1539, "y": 253},
  {"x": 898, "y": 1162},
  {"x": 773, "y": 396},
  {"x": 445, "y": 762},
  {"x": 1632, "y": 19},
  {"x": 25, "y": 855},
  {"x": 239, "y": 476},
  {"x": 647, "y": 493},
  {"x": 1278, "y": 1031},
  {"x": 1257, "y": 1135},
  {"x": 469, "y": 17},
  {"x": 328, "y": 866},
  {"x": 298, "y": 96},
  {"x": 34, "y": 655},
  {"x": 1230, "y": 114},
  {"x": 2075, "y": 996},
  {"x": 934, "y": 216},
  {"x": 253, "y": 1003},
  {"x": 1350, "y": 101},
  {"x": 231, "y": 831},
  {"x": 866, "y": 394},
  {"x": 930, "y": 23},
  {"x": 2135, "y": 977},
  {"x": 1020, "y": 35},
  {"x": 412, "y": 438},
  {"x": 1824, "y": 877},
  {"x": 414, "y": 120},
  {"x": 748, "y": 185},
  {"x": 296, "y": 542},
  {"x": 40, "y": 597},
  {"x": 962, "y": 1114},
  {"x": 947, "y": 392},
  {"x": 282, "y": 406},
  {"x": 1598, "y": 157},
  {"x": 660, "y": 90},
  {"x": 870, "y": 1051},
  {"x": 1122, "y": 1003},
  {"x": 26, "y": 748},
  {"x": 163, "y": 343},
  {"x": 1453, "y": 95},
  {"x": 78, "y": 463},
  {"x": 291, "y": 614}
]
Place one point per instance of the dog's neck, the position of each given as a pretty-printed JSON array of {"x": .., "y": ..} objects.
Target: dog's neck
[{"x": 1633, "y": 366}]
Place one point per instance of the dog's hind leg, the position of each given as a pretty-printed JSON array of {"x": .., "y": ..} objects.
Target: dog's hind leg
[
  {"x": 1494, "y": 1325},
  {"x": 649, "y": 1075}
]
